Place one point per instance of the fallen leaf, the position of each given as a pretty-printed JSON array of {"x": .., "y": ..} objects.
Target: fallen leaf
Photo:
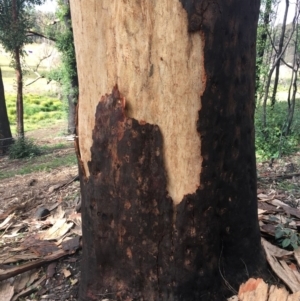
[
  {"x": 51, "y": 269},
  {"x": 60, "y": 228},
  {"x": 66, "y": 273},
  {"x": 24, "y": 280},
  {"x": 6, "y": 291},
  {"x": 263, "y": 197},
  {"x": 287, "y": 275},
  {"x": 4, "y": 224},
  {"x": 73, "y": 281}
]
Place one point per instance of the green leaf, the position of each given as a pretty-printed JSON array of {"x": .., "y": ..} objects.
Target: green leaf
[
  {"x": 286, "y": 242},
  {"x": 278, "y": 233},
  {"x": 273, "y": 218},
  {"x": 294, "y": 238}
]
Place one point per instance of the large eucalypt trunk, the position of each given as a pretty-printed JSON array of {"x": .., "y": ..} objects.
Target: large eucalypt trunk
[{"x": 166, "y": 148}]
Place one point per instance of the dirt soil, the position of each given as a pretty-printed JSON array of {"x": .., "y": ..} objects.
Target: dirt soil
[{"x": 58, "y": 191}]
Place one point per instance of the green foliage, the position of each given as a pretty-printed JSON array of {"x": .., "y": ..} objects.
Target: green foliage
[
  {"x": 286, "y": 237},
  {"x": 66, "y": 74},
  {"x": 46, "y": 162},
  {"x": 270, "y": 141},
  {"x": 15, "y": 24},
  {"x": 23, "y": 148},
  {"x": 39, "y": 110}
]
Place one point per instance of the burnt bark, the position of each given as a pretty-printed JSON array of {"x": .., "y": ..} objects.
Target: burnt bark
[
  {"x": 5, "y": 134},
  {"x": 137, "y": 244}
]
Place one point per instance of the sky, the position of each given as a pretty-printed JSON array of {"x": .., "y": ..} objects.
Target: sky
[
  {"x": 50, "y": 5},
  {"x": 281, "y": 10}
]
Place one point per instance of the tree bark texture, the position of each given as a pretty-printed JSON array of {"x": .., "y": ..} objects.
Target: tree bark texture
[
  {"x": 73, "y": 92},
  {"x": 19, "y": 77},
  {"x": 5, "y": 134},
  {"x": 167, "y": 162},
  {"x": 19, "y": 104}
]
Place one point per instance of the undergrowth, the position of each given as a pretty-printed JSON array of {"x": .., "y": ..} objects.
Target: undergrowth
[
  {"x": 270, "y": 141},
  {"x": 23, "y": 148}
]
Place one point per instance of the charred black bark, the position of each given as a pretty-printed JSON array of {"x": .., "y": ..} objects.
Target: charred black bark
[
  {"x": 5, "y": 134},
  {"x": 127, "y": 214},
  {"x": 226, "y": 126}
]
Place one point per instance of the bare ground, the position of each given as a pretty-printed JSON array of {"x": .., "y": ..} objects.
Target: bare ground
[{"x": 23, "y": 196}]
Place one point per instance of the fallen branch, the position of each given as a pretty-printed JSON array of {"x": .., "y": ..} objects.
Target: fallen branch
[
  {"x": 76, "y": 178},
  {"x": 32, "y": 288},
  {"x": 5, "y": 274},
  {"x": 289, "y": 176}
]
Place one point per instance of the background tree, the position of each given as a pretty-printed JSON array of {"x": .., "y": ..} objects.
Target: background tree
[
  {"x": 167, "y": 163},
  {"x": 5, "y": 134},
  {"x": 275, "y": 133},
  {"x": 61, "y": 31},
  {"x": 15, "y": 23}
]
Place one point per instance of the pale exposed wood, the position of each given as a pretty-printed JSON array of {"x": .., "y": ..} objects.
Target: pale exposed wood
[
  {"x": 145, "y": 48},
  {"x": 258, "y": 290},
  {"x": 253, "y": 290},
  {"x": 294, "y": 297},
  {"x": 277, "y": 294}
]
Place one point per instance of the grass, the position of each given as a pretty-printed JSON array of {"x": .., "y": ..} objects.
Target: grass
[
  {"x": 42, "y": 163},
  {"x": 39, "y": 111}
]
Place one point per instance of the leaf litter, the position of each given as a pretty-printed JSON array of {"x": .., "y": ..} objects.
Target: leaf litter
[
  {"x": 40, "y": 234},
  {"x": 278, "y": 198}
]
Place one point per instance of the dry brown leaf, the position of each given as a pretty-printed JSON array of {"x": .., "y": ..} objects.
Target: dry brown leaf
[
  {"x": 287, "y": 208},
  {"x": 59, "y": 214},
  {"x": 274, "y": 250},
  {"x": 264, "y": 197},
  {"x": 24, "y": 280},
  {"x": 5, "y": 223},
  {"x": 60, "y": 228},
  {"x": 66, "y": 273},
  {"x": 11, "y": 258},
  {"x": 297, "y": 255},
  {"x": 74, "y": 281},
  {"x": 261, "y": 211},
  {"x": 29, "y": 289},
  {"x": 282, "y": 270},
  {"x": 6, "y": 291},
  {"x": 268, "y": 228}
]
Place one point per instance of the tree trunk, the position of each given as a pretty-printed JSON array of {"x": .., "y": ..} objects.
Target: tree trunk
[
  {"x": 261, "y": 47},
  {"x": 19, "y": 77},
  {"x": 72, "y": 95},
  {"x": 167, "y": 162},
  {"x": 279, "y": 52},
  {"x": 5, "y": 134},
  {"x": 20, "y": 109}
]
